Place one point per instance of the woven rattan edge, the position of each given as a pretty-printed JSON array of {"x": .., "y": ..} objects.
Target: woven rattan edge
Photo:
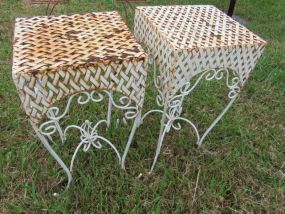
[
  {"x": 70, "y": 14},
  {"x": 140, "y": 10},
  {"x": 40, "y": 118},
  {"x": 86, "y": 65}
]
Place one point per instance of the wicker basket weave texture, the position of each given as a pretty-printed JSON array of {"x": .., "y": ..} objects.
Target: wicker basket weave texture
[
  {"x": 198, "y": 26},
  {"x": 48, "y": 44},
  {"x": 187, "y": 40}
]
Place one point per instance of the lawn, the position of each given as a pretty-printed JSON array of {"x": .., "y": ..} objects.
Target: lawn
[{"x": 239, "y": 169}]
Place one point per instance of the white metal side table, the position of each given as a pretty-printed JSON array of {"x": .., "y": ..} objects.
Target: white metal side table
[
  {"x": 186, "y": 41},
  {"x": 85, "y": 57}
]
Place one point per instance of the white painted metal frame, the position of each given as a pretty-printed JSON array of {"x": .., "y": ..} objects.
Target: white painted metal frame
[
  {"x": 173, "y": 105},
  {"x": 89, "y": 135}
]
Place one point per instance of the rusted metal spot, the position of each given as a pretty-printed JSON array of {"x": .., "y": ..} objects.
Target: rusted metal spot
[
  {"x": 116, "y": 30},
  {"x": 93, "y": 59},
  {"x": 108, "y": 36}
]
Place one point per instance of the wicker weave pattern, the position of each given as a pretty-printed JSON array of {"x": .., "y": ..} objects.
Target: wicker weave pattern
[
  {"x": 58, "y": 56},
  {"x": 47, "y": 44},
  {"x": 186, "y": 40}
]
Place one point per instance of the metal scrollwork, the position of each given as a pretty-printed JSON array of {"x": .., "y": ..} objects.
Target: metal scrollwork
[
  {"x": 173, "y": 106},
  {"x": 90, "y": 138},
  {"x": 52, "y": 126},
  {"x": 125, "y": 104},
  {"x": 175, "y": 103},
  {"x": 89, "y": 135}
]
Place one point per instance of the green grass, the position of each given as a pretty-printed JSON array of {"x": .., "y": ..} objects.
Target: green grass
[{"x": 240, "y": 165}]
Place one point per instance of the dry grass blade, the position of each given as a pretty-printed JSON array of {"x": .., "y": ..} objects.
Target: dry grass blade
[{"x": 196, "y": 186}]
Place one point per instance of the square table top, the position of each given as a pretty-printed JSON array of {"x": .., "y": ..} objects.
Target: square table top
[
  {"x": 53, "y": 43},
  {"x": 197, "y": 26}
]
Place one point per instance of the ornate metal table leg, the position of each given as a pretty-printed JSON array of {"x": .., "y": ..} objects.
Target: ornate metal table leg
[
  {"x": 173, "y": 106},
  {"x": 89, "y": 135},
  {"x": 54, "y": 154},
  {"x": 163, "y": 128},
  {"x": 200, "y": 141},
  {"x": 170, "y": 116},
  {"x": 131, "y": 136},
  {"x": 234, "y": 86},
  {"x": 109, "y": 109}
]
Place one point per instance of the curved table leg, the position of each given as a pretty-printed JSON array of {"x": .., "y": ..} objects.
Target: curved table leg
[
  {"x": 163, "y": 129},
  {"x": 200, "y": 141},
  {"x": 173, "y": 106},
  {"x": 54, "y": 154},
  {"x": 131, "y": 136}
]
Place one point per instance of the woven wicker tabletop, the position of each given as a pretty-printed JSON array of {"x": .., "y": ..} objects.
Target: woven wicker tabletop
[
  {"x": 49, "y": 44},
  {"x": 188, "y": 40},
  {"x": 197, "y": 26}
]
